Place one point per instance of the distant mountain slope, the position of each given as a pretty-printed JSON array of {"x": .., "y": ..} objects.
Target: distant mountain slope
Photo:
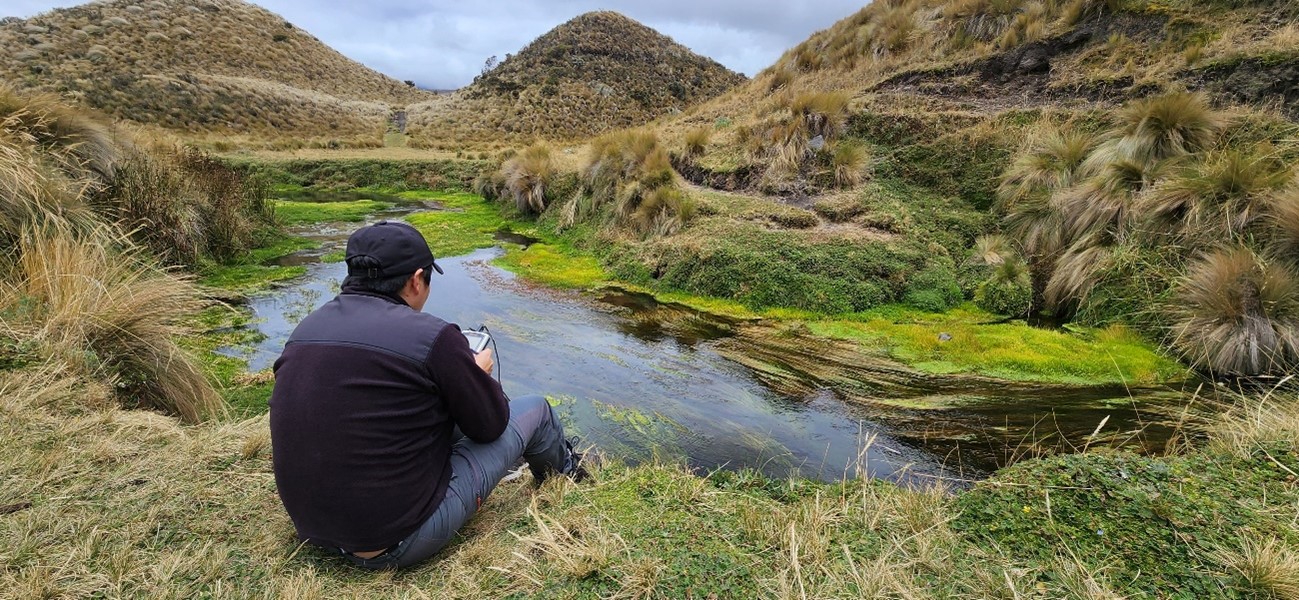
[
  {"x": 597, "y": 72},
  {"x": 199, "y": 66}
]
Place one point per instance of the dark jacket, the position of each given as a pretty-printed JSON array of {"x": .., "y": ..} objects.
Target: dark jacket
[{"x": 367, "y": 393}]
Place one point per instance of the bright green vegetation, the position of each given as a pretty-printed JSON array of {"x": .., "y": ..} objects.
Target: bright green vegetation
[
  {"x": 249, "y": 277},
  {"x": 982, "y": 344},
  {"x": 252, "y": 271},
  {"x": 556, "y": 266},
  {"x": 246, "y": 394},
  {"x": 289, "y": 212},
  {"x": 468, "y": 224}
]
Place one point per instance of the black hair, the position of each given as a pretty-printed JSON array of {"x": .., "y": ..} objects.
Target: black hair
[{"x": 388, "y": 286}]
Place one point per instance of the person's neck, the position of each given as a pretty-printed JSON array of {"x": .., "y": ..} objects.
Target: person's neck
[{"x": 356, "y": 289}]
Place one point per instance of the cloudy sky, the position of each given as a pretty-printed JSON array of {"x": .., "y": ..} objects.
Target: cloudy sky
[{"x": 442, "y": 43}]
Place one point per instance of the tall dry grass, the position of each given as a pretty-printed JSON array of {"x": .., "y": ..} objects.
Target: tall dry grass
[
  {"x": 80, "y": 144},
  {"x": 527, "y": 176},
  {"x": 629, "y": 175},
  {"x": 34, "y": 193},
  {"x": 696, "y": 141},
  {"x": 1238, "y": 314},
  {"x": 75, "y": 198},
  {"x": 94, "y": 303}
]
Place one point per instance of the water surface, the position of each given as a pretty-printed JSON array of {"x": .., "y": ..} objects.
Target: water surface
[{"x": 644, "y": 381}]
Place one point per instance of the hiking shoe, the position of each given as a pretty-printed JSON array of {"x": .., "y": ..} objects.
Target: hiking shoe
[{"x": 576, "y": 471}]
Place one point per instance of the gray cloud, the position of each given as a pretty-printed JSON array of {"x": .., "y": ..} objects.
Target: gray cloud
[{"x": 442, "y": 44}]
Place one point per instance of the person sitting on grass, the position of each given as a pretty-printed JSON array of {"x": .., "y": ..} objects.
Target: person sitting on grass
[{"x": 371, "y": 396}]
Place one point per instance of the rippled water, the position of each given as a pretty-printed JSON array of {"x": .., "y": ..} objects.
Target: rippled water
[{"x": 642, "y": 382}]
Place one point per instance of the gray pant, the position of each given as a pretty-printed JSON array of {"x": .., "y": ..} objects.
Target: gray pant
[{"x": 534, "y": 433}]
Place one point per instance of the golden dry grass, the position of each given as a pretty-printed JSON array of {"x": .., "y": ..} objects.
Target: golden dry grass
[
  {"x": 109, "y": 315},
  {"x": 629, "y": 75},
  {"x": 209, "y": 66}
]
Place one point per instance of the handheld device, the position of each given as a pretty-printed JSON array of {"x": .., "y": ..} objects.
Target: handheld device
[{"x": 478, "y": 339}]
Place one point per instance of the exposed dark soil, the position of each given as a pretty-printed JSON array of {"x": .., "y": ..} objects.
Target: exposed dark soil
[
  {"x": 1023, "y": 76},
  {"x": 743, "y": 179},
  {"x": 1252, "y": 81}
]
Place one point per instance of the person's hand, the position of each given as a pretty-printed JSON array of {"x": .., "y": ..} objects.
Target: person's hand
[{"x": 484, "y": 360}]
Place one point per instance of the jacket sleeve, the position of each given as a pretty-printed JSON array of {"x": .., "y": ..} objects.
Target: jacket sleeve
[{"x": 476, "y": 401}]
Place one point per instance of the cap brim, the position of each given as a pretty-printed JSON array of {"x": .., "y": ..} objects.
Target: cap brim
[{"x": 437, "y": 268}]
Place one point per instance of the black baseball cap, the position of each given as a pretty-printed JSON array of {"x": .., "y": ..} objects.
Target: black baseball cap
[{"x": 398, "y": 248}]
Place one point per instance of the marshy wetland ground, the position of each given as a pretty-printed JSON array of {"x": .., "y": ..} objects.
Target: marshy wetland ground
[{"x": 957, "y": 299}]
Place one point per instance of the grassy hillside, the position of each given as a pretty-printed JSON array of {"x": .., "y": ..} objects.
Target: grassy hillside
[
  {"x": 217, "y": 67},
  {"x": 871, "y": 163},
  {"x": 597, "y": 72}
]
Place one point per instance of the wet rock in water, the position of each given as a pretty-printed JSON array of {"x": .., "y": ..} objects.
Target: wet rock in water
[{"x": 944, "y": 337}]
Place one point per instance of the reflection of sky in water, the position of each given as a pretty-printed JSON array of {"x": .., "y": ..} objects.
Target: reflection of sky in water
[
  {"x": 639, "y": 393},
  {"x": 636, "y": 398}
]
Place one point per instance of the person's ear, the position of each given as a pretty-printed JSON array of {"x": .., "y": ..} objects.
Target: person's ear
[{"x": 417, "y": 279}]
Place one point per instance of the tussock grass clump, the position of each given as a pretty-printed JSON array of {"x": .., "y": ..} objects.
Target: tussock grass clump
[
  {"x": 629, "y": 174},
  {"x": 849, "y": 163},
  {"x": 1160, "y": 128},
  {"x": 80, "y": 144},
  {"x": 1051, "y": 160},
  {"x": 33, "y": 193},
  {"x": 800, "y": 137},
  {"x": 1239, "y": 315},
  {"x": 992, "y": 250},
  {"x": 697, "y": 141},
  {"x": 56, "y": 160},
  {"x": 76, "y": 197},
  {"x": 1283, "y": 217},
  {"x": 102, "y": 308},
  {"x": 1221, "y": 196},
  {"x": 1266, "y": 568},
  {"x": 527, "y": 176},
  {"x": 1173, "y": 179},
  {"x": 823, "y": 113},
  {"x": 183, "y": 204},
  {"x": 984, "y": 20}
]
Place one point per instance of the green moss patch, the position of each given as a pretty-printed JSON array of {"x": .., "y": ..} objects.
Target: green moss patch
[
  {"x": 555, "y": 266},
  {"x": 980, "y": 344},
  {"x": 290, "y": 212},
  {"x": 222, "y": 327}
]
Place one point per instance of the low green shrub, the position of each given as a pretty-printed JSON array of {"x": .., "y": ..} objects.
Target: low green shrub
[
  {"x": 935, "y": 289},
  {"x": 1009, "y": 291}
]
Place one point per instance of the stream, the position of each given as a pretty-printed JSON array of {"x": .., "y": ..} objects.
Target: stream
[{"x": 643, "y": 381}]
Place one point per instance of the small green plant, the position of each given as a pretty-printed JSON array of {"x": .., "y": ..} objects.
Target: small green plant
[
  {"x": 934, "y": 289},
  {"x": 1009, "y": 291}
]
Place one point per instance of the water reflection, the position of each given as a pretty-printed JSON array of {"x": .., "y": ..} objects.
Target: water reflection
[{"x": 643, "y": 380}]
